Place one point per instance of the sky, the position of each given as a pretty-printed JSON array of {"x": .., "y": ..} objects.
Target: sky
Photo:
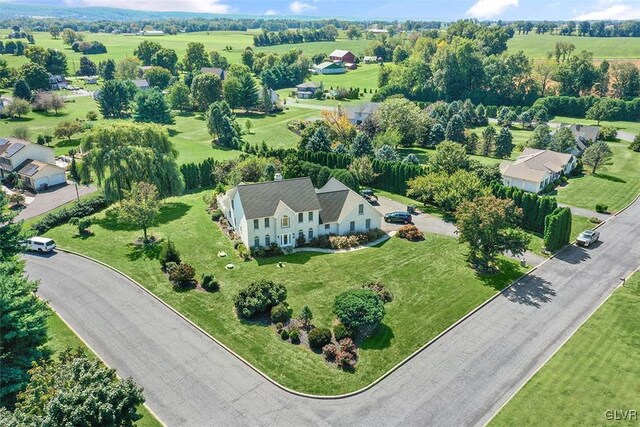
[{"x": 444, "y": 10}]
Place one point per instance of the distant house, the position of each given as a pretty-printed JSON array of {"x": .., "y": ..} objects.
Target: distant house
[
  {"x": 57, "y": 82},
  {"x": 345, "y": 56},
  {"x": 282, "y": 211},
  {"x": 329, "y": 68},
  {"x": 272, "y": 94},
  {"x": 358, "y": 114},
  {"x": 92, "y": 80},
  {"x": 371, "y": 59},
  {"x": 141, "y": 84},
  {"x": 534, "y": 169},
  {"x": 307, "y": 90},
  {"x": 34, "y": 164},
  {"x": 584, "y": 135},
  {"x": 151, "y": 33},
  {"x": 377, "y": 31},
  {"x": 4, "y": 103},
  {"x": 214, "y": 70}
]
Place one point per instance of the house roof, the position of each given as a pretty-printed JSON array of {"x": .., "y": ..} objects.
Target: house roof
[
  {"x": 337, "y": 201},
  {"x": 261, "y": 200},
  {"x": 141, "y": 83},
  {"x": 326, "y": 65},
  {"x": 10, "y": 146},
  {"x": 588, "y": 133},
  {"x": 533, "y": 165},
  {"x": 366, "y": 109},
  {"x": 308, "y": 85},
  {"x": 212, "y": 70},
  {"x": 338, "y": 53},
  {"x": 30, "y": 167}
]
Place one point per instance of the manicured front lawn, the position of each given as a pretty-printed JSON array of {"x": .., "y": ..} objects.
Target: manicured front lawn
[
  {"x": 432, "y": 284},
  {"x": 615, "y": 185},
  {"x": 597, "y": 370},
  {"x": 62, "y": 338}
]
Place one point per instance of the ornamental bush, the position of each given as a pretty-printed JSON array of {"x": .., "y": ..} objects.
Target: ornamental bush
[
  {"x": 341, "y": 332},
  {"x": 346, "y": 360},
  {"x": 284, "y": 334},
  {"x": 411, "y": 233},
  {"x": 209, "y": 283},
  {"x": 330, "y": 352},
  {"x": 259, "y": 297},
  {"x": 182, "y": 276},
  {"x": 280, "y": 313},
  {"x": 319, "y": 337},
  {"x": 294, "y": 336},
  {"x": 601, "y": 208},
  {"x": 359, "y": 307},
  {"x": 169, "y": 254},
  {"x": 380, "y": 289}
]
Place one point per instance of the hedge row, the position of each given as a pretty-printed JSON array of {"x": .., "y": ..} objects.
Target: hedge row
[
  {"x": 80, "y": 209},
  {"x": 578, "y": 107},
  {"x": 198, "y": 175},
  {"x": 534, "y": 208},
  {"x": 557, "y": 229}
]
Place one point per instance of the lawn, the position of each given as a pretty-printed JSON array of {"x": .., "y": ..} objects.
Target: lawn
[
  {"x": 597, "y": 370},
  {"x": 615, "y": 185},
  {"x": 631, "y": 127},
  {"x": 62, "y": 338},
  {"x": 429, "y": 296},
  {"x": 537, "y": 45}
]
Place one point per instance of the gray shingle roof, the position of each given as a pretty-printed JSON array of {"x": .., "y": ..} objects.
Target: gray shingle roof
[
  {"x": 332, "y": 204},
  {"x": 261, "y": 200}
]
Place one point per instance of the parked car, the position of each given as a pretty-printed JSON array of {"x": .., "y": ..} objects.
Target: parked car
[
  {"x": 369, "y": 196},
  {"x": 400, "y": 217},
  {"x": 39, "y": 244},
  {"x": 586, "y": 238}
]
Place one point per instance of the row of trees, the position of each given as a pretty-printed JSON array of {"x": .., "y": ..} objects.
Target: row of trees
[
  {"x": 272, "y": 38},
  {"x": 557, "y": 229},
  {"x": 535, "y": 208}
]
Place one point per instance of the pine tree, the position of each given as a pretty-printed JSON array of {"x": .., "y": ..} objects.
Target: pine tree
[
  {"x": 455, "y": 129},
  {"x": 319, "y": 141},
  {"x": 504, "y": 143},
  {"x": 362, "y": 145},
  {"x": 22, "y": 90},
  {"x": 248, "y": 92}
]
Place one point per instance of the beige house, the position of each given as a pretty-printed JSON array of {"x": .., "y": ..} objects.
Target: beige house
[
  {"x": 34, "y": 164},
  {"x": 535, "y": 169},
  {"x": 284, "y": 210}
]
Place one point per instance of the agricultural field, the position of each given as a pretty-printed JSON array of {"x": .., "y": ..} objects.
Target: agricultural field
[
  {"x": 597, "y": 370},
  {"x": 428, "y": 297},
  {"x": 537, "y": 45}
]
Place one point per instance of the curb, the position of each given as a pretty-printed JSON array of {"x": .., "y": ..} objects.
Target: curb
[{"x": 86, "y": 344}]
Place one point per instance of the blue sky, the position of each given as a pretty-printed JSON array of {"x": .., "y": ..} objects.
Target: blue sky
[{"x": 388, "y": 9}]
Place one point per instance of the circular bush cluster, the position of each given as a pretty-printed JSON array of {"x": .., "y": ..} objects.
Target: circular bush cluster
[
  {"x": 359, "y": 307},
  {"x": 319, "y": 337}
]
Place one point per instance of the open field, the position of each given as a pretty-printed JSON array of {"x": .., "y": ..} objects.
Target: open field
[
  {"x": 537, "y": 45},
  {"x": 615, "y": 184},
  {"x": 119, "y": 46},
  {"x": 428, "y": 296},
  {"x": 597, "y": 370},
  {"x": 62, "y": 338}
]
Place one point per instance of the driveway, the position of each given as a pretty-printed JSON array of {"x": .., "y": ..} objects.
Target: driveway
[
  {"x": 461, "y": 379},
  {"x": 52, "y": 198}
]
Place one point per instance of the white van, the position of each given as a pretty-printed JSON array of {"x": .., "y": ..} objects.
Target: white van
[{"x": 39, "y": 244}]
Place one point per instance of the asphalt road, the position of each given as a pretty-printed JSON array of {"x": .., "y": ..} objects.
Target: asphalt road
[{"x": 462, "y": 379}]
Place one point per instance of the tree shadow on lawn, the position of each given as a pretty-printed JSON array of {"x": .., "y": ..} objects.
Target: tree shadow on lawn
[
  {"x": 292, "y": 258},
  {"x": 68, "y": 143},
  {"x": 168, "y": 212},
  {"x": 609, "y": 178},
  {"x": 173, "y": 132},
  {"x": 508, "y": 271},
  {"x": 532, "y": 291},
  {"x": 147, "y": 250},
  {"x": 381, "y": 339}
]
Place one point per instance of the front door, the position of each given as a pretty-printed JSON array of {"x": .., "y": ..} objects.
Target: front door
[{"x": 284, "y": 240}]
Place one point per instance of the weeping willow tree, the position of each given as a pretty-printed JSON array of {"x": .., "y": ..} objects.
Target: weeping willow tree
[{"x": 122, "y": 153}]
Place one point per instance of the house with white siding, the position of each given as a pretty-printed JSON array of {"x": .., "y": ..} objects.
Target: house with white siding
[
  {"x": 34, "y": 164},
  {"x": 534, "y": 169},
  {"x": 284, "y": 210}
]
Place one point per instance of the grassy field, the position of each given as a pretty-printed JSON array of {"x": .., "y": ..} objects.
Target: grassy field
[
  {"x": 597, "y": 370},
  {"x": 428, "y": 296},
  {"x": 62, "y": 338},
  {"x": 537, "y": 46},
  {"x": 632, "y": 127},
  {"x": 119, "y": 46},
  {"x": 614, "y": 185}
]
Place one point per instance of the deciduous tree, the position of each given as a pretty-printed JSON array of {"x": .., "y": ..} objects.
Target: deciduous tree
[
  {"x": 596, "y": 155},
  {"x": 140, "y": 206}
]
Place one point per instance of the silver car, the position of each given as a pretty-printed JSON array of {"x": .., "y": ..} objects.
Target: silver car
[{"x": 586, "y": 238}]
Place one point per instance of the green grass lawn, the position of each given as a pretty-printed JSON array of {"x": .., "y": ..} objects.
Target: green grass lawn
[
  {"x": 429, "y": 296},
  {"x": 62, "y": 338},
  {"x": 614, "y": 185},
  {"x": 537, "y": 45},
  {"x": 632, "y": 127},
  {"x": 597, "y": 370}
]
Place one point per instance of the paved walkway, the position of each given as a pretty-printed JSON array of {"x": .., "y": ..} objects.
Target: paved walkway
[
  {"x": 461, "y": 379},
  {"x": 586, "y": 212},
  {"x": 48, "y": 200}
]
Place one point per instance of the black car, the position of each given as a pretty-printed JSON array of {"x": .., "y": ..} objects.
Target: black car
[{"x": 401, "y": 217}]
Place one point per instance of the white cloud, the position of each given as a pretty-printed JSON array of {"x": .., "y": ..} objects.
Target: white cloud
[
  {"x": 483, "y": 9},
  {"x": 617, "y": 11},
  {"x": 298, "y": 7},
  {"x": 208, "y": 6},
  {"x": 271, "y": 12}
]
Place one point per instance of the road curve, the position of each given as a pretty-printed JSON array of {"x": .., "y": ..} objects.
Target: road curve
[{"x": 462, "y": 379}]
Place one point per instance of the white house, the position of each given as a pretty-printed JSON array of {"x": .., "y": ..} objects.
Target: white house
[
  {"x": 283, "y": 210},
  {"x": 307, "y": 90},
  {"x": 151, "y": 33},
  {"x": 535, "y": 169},
  {"x": 35, "y": 164},
  {"x": 358, "y": 114},
  {"x": 329, "y": 68}
]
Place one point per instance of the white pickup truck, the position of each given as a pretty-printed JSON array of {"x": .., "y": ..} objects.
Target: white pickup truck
[{"x": 586, "y": 238}]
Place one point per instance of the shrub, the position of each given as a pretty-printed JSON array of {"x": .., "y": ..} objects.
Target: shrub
[
  {"x": 216, "y": 215},
  {"x": 411, "y": 233},
  {"x": 243, "y": 253},
  {"x": 284, "y": 334},
  {"x": 279, "y": 327},
  {"x": 579, "y": 169},
  {"x": 209, "y": 283},
  {"x": 330, "y": 352},
  {"x": 601, "y": 208},
  {"x": 347, "y": 345},
  {"x": 80, "y": 209},
  {"x": 608, "y": 133},
  {"x": 280, "y": 313},
  {"x": 294, "y": 335},
  {"x": 305, "y": 316},
  {"x": 92, "y": 115},
  {"x": 345, "y": 360},
  {"x": 169, "y": 254},
  {"x": 319, "y": 337},
  {"x": 182, "y": 275},
  {"x": 259, "y": 297},
  {"x": 594, "y": 220},
  {"x": 380, "y": 289},
  {"x": 341, "y": 332},
  {"x": 170, "y": 266},
  {"x": 347, "y": 241},
  {"x": 359, "y": 307}
]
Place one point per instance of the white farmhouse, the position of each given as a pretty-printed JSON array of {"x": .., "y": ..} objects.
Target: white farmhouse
[
  {"x": 535, "y": 169},
  {"x": 35, "y": 164},
  {"x": 283, "y": 210}
]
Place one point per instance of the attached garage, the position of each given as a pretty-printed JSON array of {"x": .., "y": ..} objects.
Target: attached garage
[{"x": 38, "y": 175}]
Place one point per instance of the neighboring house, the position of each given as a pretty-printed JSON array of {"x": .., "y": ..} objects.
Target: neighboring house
[
  {"x": 34, "y": 164},
  {"x": 307, "y": 90},
  {"x": 57, "y": 82},
  {"x": 584, "y": 135},
  {"x": 151, "y": 33},
  {"x": 214, "y": 70},
  {"x": 141, "y": 84},
  {"x": 371, "y": 59},
  {"x": 273, "y": 95},
  {"x": 534, "y": 169},
  {"x": 329, "y": 68},
  {"x": 92, "y": 80},
  {"x": 284, "y": 210},
  {"x": 345, "y": 56},
  {"x": 358, "y": 114},
  {"x": 4, "y": 103}
]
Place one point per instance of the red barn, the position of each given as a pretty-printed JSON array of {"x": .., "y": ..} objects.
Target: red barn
[{"x": 343, "y": 55}]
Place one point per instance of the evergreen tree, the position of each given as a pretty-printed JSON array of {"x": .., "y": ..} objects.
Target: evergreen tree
[
  {"x": 635, "y": 145},
  {"x": 455, "y": 129},
  {"x": 115, "y": 98},
  {"x": 387, "y": 153},
  {"x": 319, "y": 141},
  {"x": 488, "y": 139},
  {"x": 437, "y": 134},
  {"x": 107, "y": 69},
  {"x": 248, "y": 91},
  {"x": 222, "y": 125},
  {"x": 504, "y": 143},
  {"x": 87, "y": 67},
  {"x": 541, "y": 137},
  {"x": 22, "y": 90},
  {"x": 362, "y": 145},
  {"x": 152, "y": 107},
  {"x": 562, "y": 140},
  {"x": 10, "y": 231}
]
